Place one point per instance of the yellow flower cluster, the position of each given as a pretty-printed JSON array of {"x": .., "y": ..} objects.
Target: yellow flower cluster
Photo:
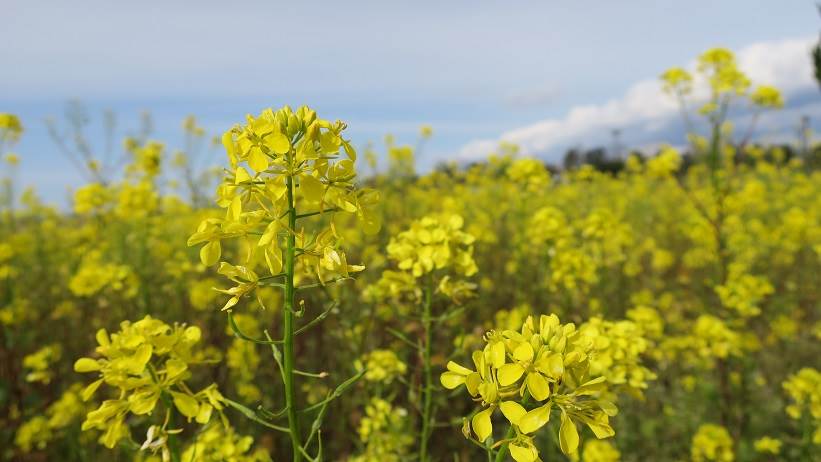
[
  {"x": 432, "y": 244},
  {"x": 145, "y": 362},
  {"x": 712, "y": 443},
  {"x": 94, "y": 276},
  {"x": 381, "y": 366},
  {"x": 37, "y": 432},
  {"x": 280, "y": 162},
  {"x": 384, "y": 432},
  {"x": 744, "y": 292},
  {"x": 804, "y": 389},
  {"x": 530, "y": 173},
  {"x": 618, "y": 347},
  {"x": 768, "y": 445},
  {"x": 547, "y": 365},
  {"x": 710, "y": 339},
  {"x": 40, "y": 363},
  {"x": 218, "y": 444},
  {"x": 243, "y": 359},
  {"x": 10, "y": 127},
  {"x": 600, "y": 451}
]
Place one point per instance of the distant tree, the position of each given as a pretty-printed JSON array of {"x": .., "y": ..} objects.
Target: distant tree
[
  {"x": 816, "y": 55},
  {"x": 572, "y": 159}
]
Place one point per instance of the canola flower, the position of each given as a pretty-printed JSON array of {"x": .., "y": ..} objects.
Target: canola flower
[
  {"x": 434, "y": 253},
  {"x": 146, "y": 364},
  {"x": 384, "y": 432},
  {"x": 712, "y": 443},
  {"x": 285, "y": 167},
  {"x": 804, "y": 390},
  {"x": 527, "y": 374}
]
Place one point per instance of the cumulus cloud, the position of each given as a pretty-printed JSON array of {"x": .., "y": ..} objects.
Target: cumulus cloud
[{"x": 644, "y": 113}]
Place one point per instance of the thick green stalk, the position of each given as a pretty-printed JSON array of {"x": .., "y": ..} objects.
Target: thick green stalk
[
  {"x": 428, "y": 377},
  {"x": 288, "y": 326}
]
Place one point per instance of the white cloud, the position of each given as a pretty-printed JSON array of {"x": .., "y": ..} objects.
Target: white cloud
[{"x": 645, "y": 109}]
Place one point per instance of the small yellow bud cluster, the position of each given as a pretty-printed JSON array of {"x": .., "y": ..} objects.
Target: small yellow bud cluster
[
  {"x": 546, "y": 364},
  {"x": 145, "y": 362},
  {"x": 712, "y": 443}
]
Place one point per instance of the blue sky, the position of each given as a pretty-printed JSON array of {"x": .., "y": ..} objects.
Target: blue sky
[{"x": 548, "y": 75}]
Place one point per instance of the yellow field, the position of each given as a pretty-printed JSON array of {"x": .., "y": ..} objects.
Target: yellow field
[{"x": 667, "y": 312}]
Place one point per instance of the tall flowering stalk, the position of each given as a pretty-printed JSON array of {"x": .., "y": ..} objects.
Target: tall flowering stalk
[
  {"x": 435, "y": 254},
  {"x": 285, "y": 167}
]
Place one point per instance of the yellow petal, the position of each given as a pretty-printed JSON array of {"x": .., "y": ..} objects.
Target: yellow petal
[
  {"x": 204, "y": 414},
  {"x": 90, "y": 389},
  {"x": 535, "y": 419},
  {"x": 509, "y": 374},
  {"x": 523, "y": 352},
  {"x": 210, "y": 253},
  {"x": 186, "y": 404},
  {"x": 551, "y": 365},
  {"x": 459, "y": 369},
  {"x": 241, "y": 175},
  {"x": 497, "y": 354},
  {"x": 278, "y": 143},
  {"x": 591, "y": 386},
  {"x": 311, "y": 188},
  {"x": 512, "y": 410},
  {"x": 537, "y": 386},
  {"x": 86, "y": 365},
  {"x": 451, "y": 380},
  {"x": 523, "y": 453},
  {"x": 568, "y": 435},
  {"x": 257, "y": 160},
  {"x": 481, "y": 424},
  {"x": 472, "y": 383}
]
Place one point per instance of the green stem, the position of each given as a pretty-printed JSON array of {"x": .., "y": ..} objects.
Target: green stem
[
  {"x": 500, "y": 456},
  {"x": 173, "y": 443},
  {"x": 288, "y": 327},
  {"x": 428, "y": 380}
]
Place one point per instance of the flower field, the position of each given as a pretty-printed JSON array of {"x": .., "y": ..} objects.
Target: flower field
[{"x": 308, "y": 299}]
